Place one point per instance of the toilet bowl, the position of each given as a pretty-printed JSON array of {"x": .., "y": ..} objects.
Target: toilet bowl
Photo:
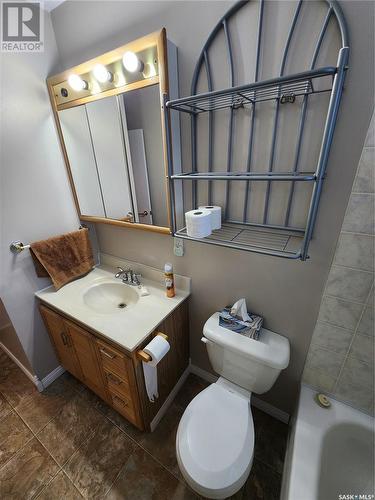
[
  {"x": 215, "y": 440},
  {"x": 215, "y": 437}
]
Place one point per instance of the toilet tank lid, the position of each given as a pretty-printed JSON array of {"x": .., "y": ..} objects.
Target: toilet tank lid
[{"x": 271, "y": 349}]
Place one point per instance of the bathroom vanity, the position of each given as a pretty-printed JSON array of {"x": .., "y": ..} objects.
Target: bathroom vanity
[{"x": 99, "y": 325}]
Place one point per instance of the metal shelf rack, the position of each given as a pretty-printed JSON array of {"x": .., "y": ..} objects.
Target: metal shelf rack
[
  {"x": 242, "y": 233},
  {"x": 285, "y": 89},
  {"x": 275, "y": 242},
  {"x": 247, "y": 176}
]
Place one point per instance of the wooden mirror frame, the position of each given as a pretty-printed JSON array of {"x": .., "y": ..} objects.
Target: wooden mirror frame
[{"x": 158, "y": 40}]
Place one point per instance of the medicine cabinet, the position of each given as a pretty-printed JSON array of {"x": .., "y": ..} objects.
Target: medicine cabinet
[{"x": 111, "y": 125}]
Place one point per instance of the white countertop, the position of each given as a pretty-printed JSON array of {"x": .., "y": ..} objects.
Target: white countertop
[{"x": 126, "y": 327}]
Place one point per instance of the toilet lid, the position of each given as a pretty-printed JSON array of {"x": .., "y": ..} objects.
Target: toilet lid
[{"x": 215, "y": 439}]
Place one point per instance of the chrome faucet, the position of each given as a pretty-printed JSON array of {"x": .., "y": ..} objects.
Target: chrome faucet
[
  {"x": 121, "y": 272},
  {"x": 128, "y": 276}
]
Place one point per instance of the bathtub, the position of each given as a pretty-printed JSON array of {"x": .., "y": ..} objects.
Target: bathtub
[{"x": 330, "y": 453}]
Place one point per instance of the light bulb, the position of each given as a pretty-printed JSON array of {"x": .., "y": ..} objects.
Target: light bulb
[
  {"x": 149, "y": 70},
  {"x": 102, "y": 74},
  {"x": 131, "y": 62},
  {"x": 77, "y": 83}
]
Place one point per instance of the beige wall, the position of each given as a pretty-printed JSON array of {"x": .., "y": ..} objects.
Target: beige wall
[
  {"x": 286, "y": 293},
  {"x": 35, "y": 196},
  {"x": 341, "y": 355},
  {"x": 10, "y": 340}
]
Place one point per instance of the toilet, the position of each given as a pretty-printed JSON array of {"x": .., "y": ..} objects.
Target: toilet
[{"x": 215, "y": 437}]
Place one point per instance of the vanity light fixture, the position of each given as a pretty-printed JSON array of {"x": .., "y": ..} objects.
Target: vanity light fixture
[
  {"x": 102, "y": 74},
  {"x": 76, "y": 83},
  {"x": 131, "y": 62}
]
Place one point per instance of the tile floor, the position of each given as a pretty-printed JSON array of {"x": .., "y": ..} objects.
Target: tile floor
[{"x": 66, "y": 444}]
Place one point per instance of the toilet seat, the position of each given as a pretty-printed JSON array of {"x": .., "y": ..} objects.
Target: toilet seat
[{"x": 215, "y": 441}]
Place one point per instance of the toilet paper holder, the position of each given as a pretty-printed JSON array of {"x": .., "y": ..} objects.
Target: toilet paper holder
[{"x": 143, "y": 356}]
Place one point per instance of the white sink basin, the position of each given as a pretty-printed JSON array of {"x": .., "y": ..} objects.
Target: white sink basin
[
  {"x": 96, "y": 299},
  {"x": 109, "y": 297}
]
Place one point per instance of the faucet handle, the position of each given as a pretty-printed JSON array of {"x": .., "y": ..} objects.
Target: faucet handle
[
  {"x": 120, "y": 272},
  {"x": 137, "y": 278}
]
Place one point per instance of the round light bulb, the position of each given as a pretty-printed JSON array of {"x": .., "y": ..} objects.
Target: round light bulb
[
  {"x": 149, "y": 70},
  {"x": 76, "y": 83},
  {"x": 131, "y": 62},
  {"x": 102, "y": 74}
]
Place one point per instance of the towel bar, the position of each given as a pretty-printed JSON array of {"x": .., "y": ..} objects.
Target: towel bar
[
  {"x": 143, "y": 356},
  {"x": 17, "y": 246}
]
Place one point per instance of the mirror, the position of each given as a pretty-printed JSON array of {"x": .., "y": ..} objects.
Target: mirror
[{"x": 112, "y": 138}]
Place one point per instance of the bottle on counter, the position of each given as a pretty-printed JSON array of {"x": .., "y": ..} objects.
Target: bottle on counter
[{"x": 169, "y": 280}]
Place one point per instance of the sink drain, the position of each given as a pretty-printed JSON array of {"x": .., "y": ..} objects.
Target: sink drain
[{"x": 121, "y": 305}]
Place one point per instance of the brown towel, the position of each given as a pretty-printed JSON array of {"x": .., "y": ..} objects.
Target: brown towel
[{"x": 63, "y": 258}]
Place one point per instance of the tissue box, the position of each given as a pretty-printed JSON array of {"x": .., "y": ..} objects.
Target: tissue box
[{"x": 249, "y": 329}]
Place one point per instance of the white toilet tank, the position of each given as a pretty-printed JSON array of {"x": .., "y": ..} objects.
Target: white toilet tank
[{"x": 251, "y": 364}]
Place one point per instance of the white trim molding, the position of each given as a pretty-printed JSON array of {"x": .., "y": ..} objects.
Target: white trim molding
[
  {"x": 281, "y": 415},
  {"x": 257, "y": 402},
  {"x": 33, "y": 378},
  {"x": 39, "y": 384},
  {"x": 169, "y": 399},
  {"x": 52, "y": 376},
  {"x": 205, "y": 375}
]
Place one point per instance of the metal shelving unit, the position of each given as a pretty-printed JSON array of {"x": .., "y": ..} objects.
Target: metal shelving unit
[
  {"x": 285, "y": 89},
  {"x": 280, "y": 240},
  {"x": 275, "y": 242},
  {"x": 246, "y": 176}
]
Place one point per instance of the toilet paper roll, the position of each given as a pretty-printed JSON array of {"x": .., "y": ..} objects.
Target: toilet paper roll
[
  {"x": 198, "y": 223},
  {"x": 215, "y": 215},
  {"x": 157, "y": 349}
]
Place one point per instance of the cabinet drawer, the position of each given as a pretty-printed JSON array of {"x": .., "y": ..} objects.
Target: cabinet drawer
[
  {"x": 116, "y": 383},
  {"x": 113, "y": 360},
  {"x": 124, "y": 405}
]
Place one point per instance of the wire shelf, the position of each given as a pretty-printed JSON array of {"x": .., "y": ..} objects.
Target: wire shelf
[
  {"x": 259, "y": 240},
  {"x": 247, "y": 176},
  {"x": 285, "y": 89},
  {"x": 212, "y": 132}
]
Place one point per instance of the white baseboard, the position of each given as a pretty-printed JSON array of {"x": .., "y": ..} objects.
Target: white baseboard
[
  {"x": 169, "y": 399},
  {"x": 33, "y": 378},
  {"x": 52, "y": 376},
  {"x": 209, "y": 377},
  {"x": 258, "y": 403},
  {"x": 281, "y": 415}
]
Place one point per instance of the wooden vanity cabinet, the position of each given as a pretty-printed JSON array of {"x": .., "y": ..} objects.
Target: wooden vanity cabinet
[
  {"x": 86, "y": 355},
  {"x": 61, "y": 341},
  {"x": 114, "y": 374}
]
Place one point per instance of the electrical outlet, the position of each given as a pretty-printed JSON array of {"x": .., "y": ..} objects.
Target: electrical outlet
[{"x": 178, "y": 247}]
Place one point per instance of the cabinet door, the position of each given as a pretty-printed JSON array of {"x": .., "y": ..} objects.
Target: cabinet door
[
  {"x": 85, "y": 351},
  {"x": 60, "y": 339}
]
